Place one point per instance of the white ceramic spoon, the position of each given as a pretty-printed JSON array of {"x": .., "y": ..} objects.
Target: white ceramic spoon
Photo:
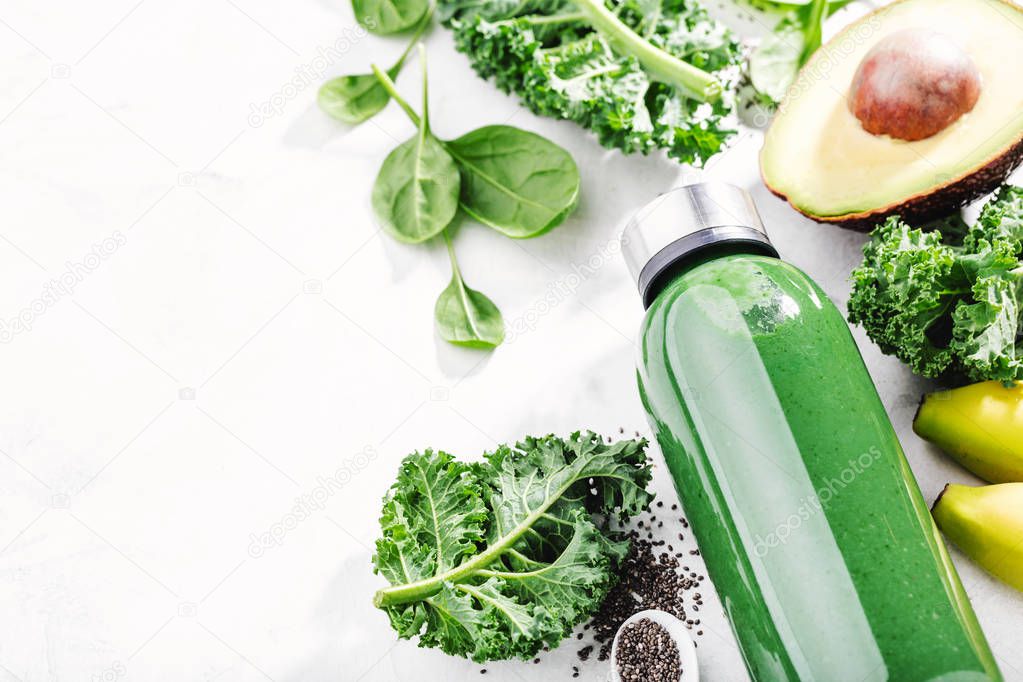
[{"x": 678, "y": 631}]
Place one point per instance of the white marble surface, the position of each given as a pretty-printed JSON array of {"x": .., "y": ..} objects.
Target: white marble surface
[{"x": 235, "y": 330}]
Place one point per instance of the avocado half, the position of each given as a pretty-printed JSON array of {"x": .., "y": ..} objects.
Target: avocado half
[{"x": 818, "y": 156}]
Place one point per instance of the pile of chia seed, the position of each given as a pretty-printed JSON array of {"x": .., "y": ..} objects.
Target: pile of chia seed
[
  {"x": 652, "y": 576},
  {"x": 647, "y": 653}
]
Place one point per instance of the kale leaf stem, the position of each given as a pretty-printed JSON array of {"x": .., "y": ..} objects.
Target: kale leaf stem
[
  {"x": 416, "y": 591},
  {"x": 661, "y": 65}
]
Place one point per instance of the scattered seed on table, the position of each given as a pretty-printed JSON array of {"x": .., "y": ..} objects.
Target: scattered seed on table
[{"x": 648, "y": 581}]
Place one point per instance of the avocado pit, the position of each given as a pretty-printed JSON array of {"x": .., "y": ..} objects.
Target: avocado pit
[{"x": 913, "y": 84}]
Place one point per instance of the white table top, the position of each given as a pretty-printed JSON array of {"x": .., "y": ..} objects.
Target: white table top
[{"x": 246, "y": 331}]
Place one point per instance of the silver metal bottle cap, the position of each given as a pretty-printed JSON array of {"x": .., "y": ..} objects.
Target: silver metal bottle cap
[{"x": 685, "y": 220}]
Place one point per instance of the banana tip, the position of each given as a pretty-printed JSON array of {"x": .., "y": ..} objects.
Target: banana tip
[
  {"x": 919, "y": 406},
  {"x": 938, "y": 498}
]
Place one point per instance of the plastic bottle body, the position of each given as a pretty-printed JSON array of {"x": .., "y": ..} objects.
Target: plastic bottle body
[{"x": 811, "y": 524}]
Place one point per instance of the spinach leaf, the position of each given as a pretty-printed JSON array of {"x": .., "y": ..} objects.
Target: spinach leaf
[
  {"x": 773, "y": 65},
  {"x": 356, "y": 98},
  {"x": 385, "y": 17},
  {"x": 416, "y": 190},
  {"x": 353, "y": 98},
  {"x": 776, "y": 61},
  {"x": 515, "y": 181},
  {"x": 464, "y": 316}
]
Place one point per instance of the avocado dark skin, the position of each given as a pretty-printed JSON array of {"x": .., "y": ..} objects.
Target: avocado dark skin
[{"x": 939, "y": 201}]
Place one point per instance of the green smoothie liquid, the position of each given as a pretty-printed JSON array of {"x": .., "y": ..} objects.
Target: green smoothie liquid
[{"x": 812, "y": 527}]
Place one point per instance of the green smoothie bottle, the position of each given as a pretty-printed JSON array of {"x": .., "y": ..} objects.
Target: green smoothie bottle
[{"x": 807, "y": 515}]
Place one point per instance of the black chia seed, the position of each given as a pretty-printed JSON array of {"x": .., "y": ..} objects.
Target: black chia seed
[
  {"x": 647, "y": 581},
  {"x": 649, "y": 578},
  {"x": 647, "y": 653}
]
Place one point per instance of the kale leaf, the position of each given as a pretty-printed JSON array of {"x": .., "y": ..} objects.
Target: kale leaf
[
  {"x": 641, "y": 74},
  {"x": 496, "y": 559},
  {"x": 948, "y": 305}
]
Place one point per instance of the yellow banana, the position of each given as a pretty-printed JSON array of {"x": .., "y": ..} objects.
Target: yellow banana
[
  {"x": 987, "y": 524},
  {"x": 980, "y": 425}
]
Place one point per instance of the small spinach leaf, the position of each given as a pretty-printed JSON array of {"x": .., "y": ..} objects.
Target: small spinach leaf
[
  {"x": 464, "y": 316},
  {"x": 775, "y": 63},
  {"x": 358, "y": 97},
  {"x": 416, "y": 190},
  {"x": 385, "y": 17},
  {"x": 353, "y": 98},
  {"x": 517, "y": 182}
]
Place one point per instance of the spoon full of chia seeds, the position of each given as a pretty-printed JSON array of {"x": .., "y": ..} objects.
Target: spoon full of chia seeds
[{"x": 653, "y": 646}]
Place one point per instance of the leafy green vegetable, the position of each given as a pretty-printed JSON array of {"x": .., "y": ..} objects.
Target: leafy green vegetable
[
  {"x": 515, "y": 181},
  {"x": 497, "y": 559},
  {"x": 659, "y": 63},
  {"x": 641, "y": 74},
  {"x": 774, "y": 63},
  {"x": 416, "y": 190},
  {"x": 948, "y": 305},
  {"x": 357, "y": 98},
  {"x": 464, "y": 316},
  {"x": 385, "y": 17},
  {"x": 354, "y": 98}
]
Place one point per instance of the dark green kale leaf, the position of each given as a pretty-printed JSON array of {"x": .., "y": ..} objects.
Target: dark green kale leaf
[
  {"x": 497, "y": 559},
  {"x": 1001, "y": 219},
  {"x": 949, "y": 306},
  {"x": 641, "y": 74}
]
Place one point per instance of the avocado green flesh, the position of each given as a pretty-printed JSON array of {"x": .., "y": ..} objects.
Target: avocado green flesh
[{"x": 818, "y": 156}]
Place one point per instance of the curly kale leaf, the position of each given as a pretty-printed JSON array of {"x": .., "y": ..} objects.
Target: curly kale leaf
[
  {"x": 948, "y": 305},
  {"x": 902, "y": 293},
  {"x": 497, "y": 559},
  {"x": 987, "y": 333},
  {"x": 649, "y": 77},
  {"x": 1001, "y": 220}
]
